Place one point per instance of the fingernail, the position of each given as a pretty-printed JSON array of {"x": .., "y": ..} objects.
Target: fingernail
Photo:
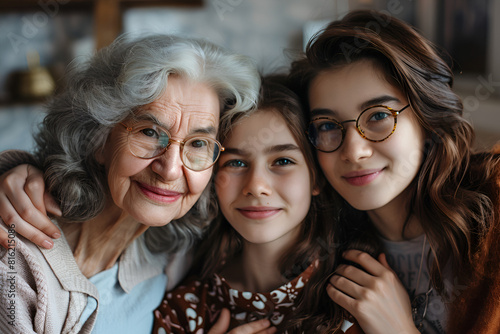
[
  {"x": 47, "y": 244},
  {"x": 56, "y": 235}
]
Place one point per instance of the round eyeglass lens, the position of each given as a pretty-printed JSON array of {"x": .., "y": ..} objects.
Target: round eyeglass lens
[
  {"x": 376, "y": 123},
  {"x": 325, "y": 134},
  {"x": 200, "y": 153},
  {"x": 148, "y": 142}
]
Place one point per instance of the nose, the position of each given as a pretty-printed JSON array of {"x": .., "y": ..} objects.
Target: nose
[
  {"x": 169, "y": 165},
  {"x": 257, "y": 183},
  {"x": 355, "y": 147}
]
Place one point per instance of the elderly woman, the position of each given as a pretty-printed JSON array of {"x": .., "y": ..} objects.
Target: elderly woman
[{"x": 128, "y": 145}]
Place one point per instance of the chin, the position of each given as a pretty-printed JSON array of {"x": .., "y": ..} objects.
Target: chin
[
  {"x": 255, "y": 239},
  {"x": 154, "y": 220},
  {"x": 366, "y": 205}
]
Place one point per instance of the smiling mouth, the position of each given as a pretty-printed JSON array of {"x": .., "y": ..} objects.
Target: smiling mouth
[
  {"x": 259, "y": 212},
  {"x": 158, "y": 194},
  {"x": 362, "y": 178}
]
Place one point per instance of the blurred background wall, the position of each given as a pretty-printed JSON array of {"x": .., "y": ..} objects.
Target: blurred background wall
[{"x": 38, "y": 39}]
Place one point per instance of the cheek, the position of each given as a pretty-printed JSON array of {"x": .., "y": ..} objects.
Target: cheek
[
  {"x": 117, "y": 158},
  {"x": 327, "y": 162},
  {"x": 226, "y": 187},
  {"x": 222, "y": 182},
  {"x": 197, "y": 181},
  {"x": 406, "y": 151},
  {"x": 121, "y": 165},
  {"x": 297, "y": 189},
  {"x": 122, "y": 169},
  {"x": 408, "y": 162}
]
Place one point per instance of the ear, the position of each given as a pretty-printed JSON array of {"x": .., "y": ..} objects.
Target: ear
[{"x": 316, "y": 190}]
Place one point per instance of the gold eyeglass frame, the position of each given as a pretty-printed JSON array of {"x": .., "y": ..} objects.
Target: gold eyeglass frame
[
  {"x": 181, "y": 144},
  {"x": 394, "y": 113}
]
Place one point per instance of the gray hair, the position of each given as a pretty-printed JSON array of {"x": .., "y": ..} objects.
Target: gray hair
[{"x": 107, "y": 89}]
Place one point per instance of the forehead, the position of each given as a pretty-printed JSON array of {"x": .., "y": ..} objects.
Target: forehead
[
  {"x": 262, "y": 129},
  {"x": 184, "y": 103},
  {"x": 351, "y": 86}
]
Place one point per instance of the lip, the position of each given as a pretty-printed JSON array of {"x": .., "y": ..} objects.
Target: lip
[
  {"x": 158, "y": 194},
  {"x": 362, "y": 177},
  {"x": 258, "y": 212}
]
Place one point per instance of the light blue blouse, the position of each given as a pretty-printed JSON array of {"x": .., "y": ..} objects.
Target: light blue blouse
[{"x": 121, "y": 312}]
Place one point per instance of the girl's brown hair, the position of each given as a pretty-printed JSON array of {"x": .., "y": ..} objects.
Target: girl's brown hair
[{"x": 454, "y": 192}]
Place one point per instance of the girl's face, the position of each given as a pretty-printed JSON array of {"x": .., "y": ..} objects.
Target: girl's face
[
  {"x": 263, "y": 183},
  {"x": 369, "y": 175}
]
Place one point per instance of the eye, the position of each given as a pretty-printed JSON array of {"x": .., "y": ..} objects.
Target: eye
[
  {"x": 283, "y": 162},
  {"x": 148, "y": 132},
  {"x": 327, "y": 126},
  {"x": 376, "y": 115},
  {"x": 379, "y": 115},
  {"x": 235, "y": 163},
  {"x": 198, "y": 143}
]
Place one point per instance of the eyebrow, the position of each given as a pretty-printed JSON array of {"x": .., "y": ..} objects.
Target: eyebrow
[
  {"x": 378, "y": 100},
  {"x": 371, "y": 102},
  {"x": 233, "y": 150},
  {"x": 282, "y": 148},
  {"x": 271, "y": 149},
  {"x": 209, "y": 130}
]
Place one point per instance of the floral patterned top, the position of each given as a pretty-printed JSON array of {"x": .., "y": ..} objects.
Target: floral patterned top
[{"x": 194, "y": 306}]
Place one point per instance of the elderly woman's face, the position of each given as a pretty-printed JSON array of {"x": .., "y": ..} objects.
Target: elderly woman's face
[{"x": 156, "y": 191}]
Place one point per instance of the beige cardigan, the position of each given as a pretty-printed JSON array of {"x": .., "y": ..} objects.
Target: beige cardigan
[{"x": 51, "y": 292}]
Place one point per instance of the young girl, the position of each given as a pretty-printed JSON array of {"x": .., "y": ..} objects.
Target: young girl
[
  {"x": 393, "y": 144},
  {"x": 268, "y": 255}
]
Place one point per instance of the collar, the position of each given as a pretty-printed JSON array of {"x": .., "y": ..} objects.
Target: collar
[
  {"x": 135, "y": 265},
  {"x": 138, "y": 264},
  {"x": 63, "y": 264}
]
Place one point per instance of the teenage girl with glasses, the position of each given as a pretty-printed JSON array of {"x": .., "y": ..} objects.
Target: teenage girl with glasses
[{"x": 397, "y": 152}]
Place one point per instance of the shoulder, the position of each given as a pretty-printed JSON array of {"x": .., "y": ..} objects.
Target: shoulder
[
  {"x": 25, "y": 268},
  {"x": 42, "y": 281},
  {"x": 24, "y": 258}
]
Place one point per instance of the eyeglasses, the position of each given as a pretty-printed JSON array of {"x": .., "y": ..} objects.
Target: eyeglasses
[
  {"x": 376, "y": 124},
  {"x": 147, "y": 140}
]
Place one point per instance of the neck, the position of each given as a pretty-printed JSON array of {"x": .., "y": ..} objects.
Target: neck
[
  {"x": 98, "y": 243},
  {"x": 257, "y": 269},
  {"x": 390, "y": 220}
]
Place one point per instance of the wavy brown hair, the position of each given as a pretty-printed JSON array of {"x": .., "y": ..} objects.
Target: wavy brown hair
[
  {"x": 454, "y": 191},
  {"x": 316, "y": 242}
]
